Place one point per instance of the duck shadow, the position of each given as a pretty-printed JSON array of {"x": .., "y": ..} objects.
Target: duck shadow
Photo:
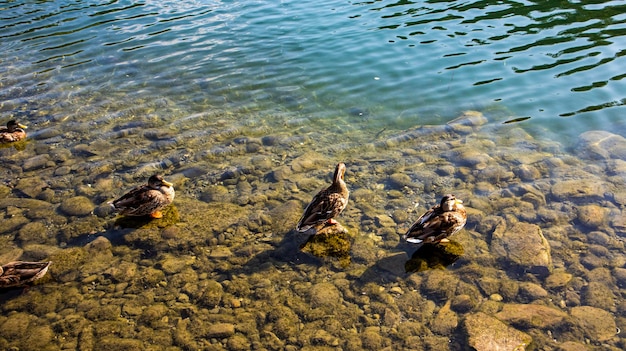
[
  {"x": 329, "y": 246},
  {"x": 406, "y": 260}
]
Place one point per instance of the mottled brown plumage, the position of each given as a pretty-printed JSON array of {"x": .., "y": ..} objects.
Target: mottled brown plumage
[
  {"x": 327, "y": 204},
  {"x": 438, "y": 223},
  {"x": 146, "y": 199},
  {"x": 21, "y": 273},
  {"x": 14, "y": 131}
]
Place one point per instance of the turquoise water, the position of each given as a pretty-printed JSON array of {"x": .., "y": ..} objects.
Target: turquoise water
[
  {"x": 247, "y": 106},
  {"x": 423, "y": 62}
]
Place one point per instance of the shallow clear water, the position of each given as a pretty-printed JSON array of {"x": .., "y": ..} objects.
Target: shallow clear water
[{"x": 247, "y": 106}]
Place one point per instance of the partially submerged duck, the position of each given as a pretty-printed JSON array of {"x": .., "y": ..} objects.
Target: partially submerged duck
[
  {"x": 21, "y": 273},
  {"x": 147, "y": 199},
  {"x": 14, "y": 131},
  {"x": 327, "y": 204},
  {"x": 438, "y": 223}
]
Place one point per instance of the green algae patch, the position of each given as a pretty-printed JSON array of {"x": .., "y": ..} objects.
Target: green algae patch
[
  {"x": 66, "y": 263},
  {"x": 331, "y": 241}
]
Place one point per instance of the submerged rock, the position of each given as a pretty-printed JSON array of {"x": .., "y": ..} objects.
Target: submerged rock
[
  {"x": 598, "y": 324},
  {"x": 597, "y": 144},
  {"x": 484, "y": 332},
  {"x": 588, "y": 189},
  {"x": 77, "y": 206},
  {"x": 528, "y": 316},
  {"x": 523, "y": 245}
]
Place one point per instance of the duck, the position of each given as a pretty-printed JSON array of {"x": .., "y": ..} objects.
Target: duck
[
  {"x": 14, "y": 131},
  {"x": 20, "y": 273},
  {"x": 326, "y": 204},
  {"x": 147, "y": 199},
  {"x": 439, "y": 222}
]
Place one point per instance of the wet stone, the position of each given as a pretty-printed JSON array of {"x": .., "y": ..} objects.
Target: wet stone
[
  {"x": 445, "y": 321},
  {"x": 572, "y": 346},
  {"x": 220, "y": 330},
  {"x": 527, "y": 173},
  {"x": 238, "y": 342},
  {"x": 31, "y": 186},
  {"x": 526, "y": 316},
  {"x": 33, "y": 232},
  {"x": 399, "y": 180},
  {"x": 77, "y": 206},
  {"x": 597, "y": 144},
  {"x": 523, "y": 245},
  {"x": 620, "y": 276},
  {"x": 99, "y": 244},
  {"x": 598, "y": 295},
  {"x": 588, "y": 189},
  {"x": 558, "y": 280},
  {"x": 592, "y": 216},
  {"x": 36, "y": 162},
  {"x": 325, "y": 295},
  {"x": 463, "y": 303},
  {"x": 484, "y": 332},
  {"x": 599, "y": 325},
  {"x": 530, "y": 291},
  {"x": 11, "y": 224}
]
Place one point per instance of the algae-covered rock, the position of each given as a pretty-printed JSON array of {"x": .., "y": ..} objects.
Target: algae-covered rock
[
  {"x": 592, "y": 216},
  {"x": 325, "y": 295},
  {"x": 31, "y": 186},
  {"x": 33, "y": 232},
  {"x": 524, "y": 246},
  {"x": 212, "y": 293},
  {"x": 440, "y": 284},
  {"x": 446, "y": 321},
  {"x": 238, "y": 342},
  {"x": 68, "y": 262},
  {"x": 484, "y": 332},
  {"x": 330, "y": 241},
  {"x": 153, "y": 314}
]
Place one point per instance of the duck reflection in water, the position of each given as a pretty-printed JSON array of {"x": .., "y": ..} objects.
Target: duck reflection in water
[{"x": 438, "y": 256}]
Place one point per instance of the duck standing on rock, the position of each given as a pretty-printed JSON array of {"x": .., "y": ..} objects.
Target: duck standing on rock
[
  {"x": 14, "y": 131},
  {"x": 20, "y": 273},
  {"x": 146, "y": 199},
  {"x": 327, "y": 204},
  {"x": 438, "y": 223}
]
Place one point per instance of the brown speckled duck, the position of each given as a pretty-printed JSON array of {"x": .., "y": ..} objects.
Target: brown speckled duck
[
  {"x": 327, "y": 204},
  {"x": 146, "y": 199},
  {"x": 21, "y": 273},
  {"x": 438, "y": 223},
  {"x": 14, "y": 131}
]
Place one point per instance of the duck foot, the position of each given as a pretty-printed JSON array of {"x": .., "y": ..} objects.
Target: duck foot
[{"x": 156, "y": 214}]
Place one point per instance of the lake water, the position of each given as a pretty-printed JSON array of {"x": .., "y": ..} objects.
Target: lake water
[{"x": 514, "y": 106}]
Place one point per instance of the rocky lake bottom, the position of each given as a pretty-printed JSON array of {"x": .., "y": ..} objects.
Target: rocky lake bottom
[{"x": 540, "y": 264}]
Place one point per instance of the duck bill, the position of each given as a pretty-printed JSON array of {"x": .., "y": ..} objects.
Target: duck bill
[
  {"x": 166, "y": 183},
  {"x": 22, "y": 126},
  {"x": 458, "y": 201}
]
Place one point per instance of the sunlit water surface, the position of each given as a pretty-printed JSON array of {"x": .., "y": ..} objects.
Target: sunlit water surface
[{"x": 247, "y": 106}]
